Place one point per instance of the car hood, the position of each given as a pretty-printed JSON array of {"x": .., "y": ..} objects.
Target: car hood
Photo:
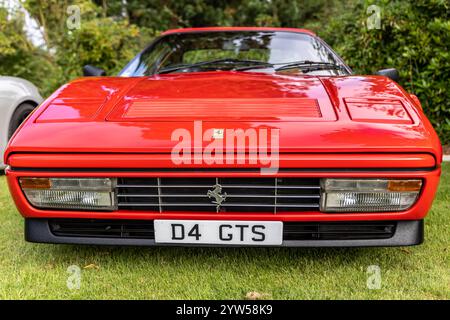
[{"x": 311, "y": 114}]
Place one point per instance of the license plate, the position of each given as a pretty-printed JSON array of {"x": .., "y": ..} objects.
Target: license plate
[{"x": 258, "y": 233}]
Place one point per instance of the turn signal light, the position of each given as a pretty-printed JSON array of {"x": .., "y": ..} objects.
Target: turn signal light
[
  {"x": 70, "y": 193},
  {"x": 368, "y": 195}
]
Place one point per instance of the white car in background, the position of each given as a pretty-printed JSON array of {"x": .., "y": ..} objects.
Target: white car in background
[{"x": 18, "y": 98}]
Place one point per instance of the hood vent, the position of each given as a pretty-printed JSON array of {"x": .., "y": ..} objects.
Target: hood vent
[
  {"x": 255, "y": 109},
  {"x": 378, "y": 110}
]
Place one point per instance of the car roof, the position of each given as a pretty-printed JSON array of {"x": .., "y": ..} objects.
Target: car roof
[{"x": 216, "y": 29}]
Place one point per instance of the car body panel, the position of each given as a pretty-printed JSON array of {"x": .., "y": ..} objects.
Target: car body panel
[
  {"x": 221, "y": 29},
  {"x": 13, "y": 92},
  {"x": 356, "y": 161},
  {"x": 95, "y": 123}
]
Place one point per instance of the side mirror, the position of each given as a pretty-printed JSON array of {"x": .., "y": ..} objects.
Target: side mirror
[
  {"x": 91, "y": 71},
  {"x": 390, "y": 73}
]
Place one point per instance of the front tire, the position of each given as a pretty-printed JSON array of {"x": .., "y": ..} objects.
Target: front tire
[{"x": 19, "y": 115}]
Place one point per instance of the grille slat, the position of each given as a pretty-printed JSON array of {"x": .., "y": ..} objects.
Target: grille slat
[
  {"x": 228, "y": 195},
  {"x": 223, "y": 205},
  {"x": 272, "y": 195},
  {"x": 225, "y": 186}
]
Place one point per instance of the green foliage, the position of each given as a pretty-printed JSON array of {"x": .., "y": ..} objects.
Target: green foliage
[
  {"x": 162, "y": 14},
  {"x": 102, "y": 42},
  {"x": 8, "y": 37},
  {"x": 110, "y": 33},
  {"x": 18, "y": 57},
  {"x": 414, "y": 38}
]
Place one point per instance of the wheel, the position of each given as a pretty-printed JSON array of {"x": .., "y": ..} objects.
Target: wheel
[{"x": 19, "y": 116}]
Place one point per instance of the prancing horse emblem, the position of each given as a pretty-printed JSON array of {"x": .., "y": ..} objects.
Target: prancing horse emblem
[{"x": 218, "y": 195}]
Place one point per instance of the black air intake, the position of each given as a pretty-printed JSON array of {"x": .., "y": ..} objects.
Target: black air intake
[{"x": 143, "y": 229}]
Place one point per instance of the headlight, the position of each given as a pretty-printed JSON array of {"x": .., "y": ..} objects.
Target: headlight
[
  {"x": 368, "y": 195},
  {"x": 70, "y": 193}
]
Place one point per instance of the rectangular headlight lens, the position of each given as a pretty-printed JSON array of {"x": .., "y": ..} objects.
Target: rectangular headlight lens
[
  {"x": 70, "y": 193},
  {"x": 368, "y": 195}
]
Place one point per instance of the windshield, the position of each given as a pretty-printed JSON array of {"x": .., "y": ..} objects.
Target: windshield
[{"x": 244, "y": 51}]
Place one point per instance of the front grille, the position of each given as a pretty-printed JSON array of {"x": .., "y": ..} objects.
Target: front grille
[
  {"x": 143, "y": 229},
  {"x": 274, "y": 195}
]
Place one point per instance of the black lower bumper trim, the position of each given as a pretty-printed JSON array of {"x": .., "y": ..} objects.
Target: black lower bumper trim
[{"x": 396, "y": 233}]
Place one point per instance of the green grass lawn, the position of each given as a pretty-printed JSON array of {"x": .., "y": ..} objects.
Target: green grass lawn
[{"x": 39, "y": 271}]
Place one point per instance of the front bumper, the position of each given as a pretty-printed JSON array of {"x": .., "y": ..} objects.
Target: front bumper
[
  {"x": 409, "y": 223},
  {"x": 405, "y": 233},
  {"x": 418, "y": 211}
]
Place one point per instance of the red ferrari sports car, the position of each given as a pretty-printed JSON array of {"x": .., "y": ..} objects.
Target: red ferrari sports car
[{"x": 227, "y": 137}]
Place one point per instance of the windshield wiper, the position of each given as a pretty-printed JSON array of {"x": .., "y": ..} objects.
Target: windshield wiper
[
  {"x": 305, "y": 66},
  {"x": 308, "y": 66},
  {"x": 242, "y": 64},
  {"x": 226, "y": 61}
]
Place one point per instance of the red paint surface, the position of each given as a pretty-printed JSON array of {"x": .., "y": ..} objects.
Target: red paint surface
[
  {"x": 92, "y": 134},
  {"x": 376, "y": 110},
  {"x": 418, "y": 211},
  {"x": 302, "y": 161},
  {"x": 216, "y": 29}
]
